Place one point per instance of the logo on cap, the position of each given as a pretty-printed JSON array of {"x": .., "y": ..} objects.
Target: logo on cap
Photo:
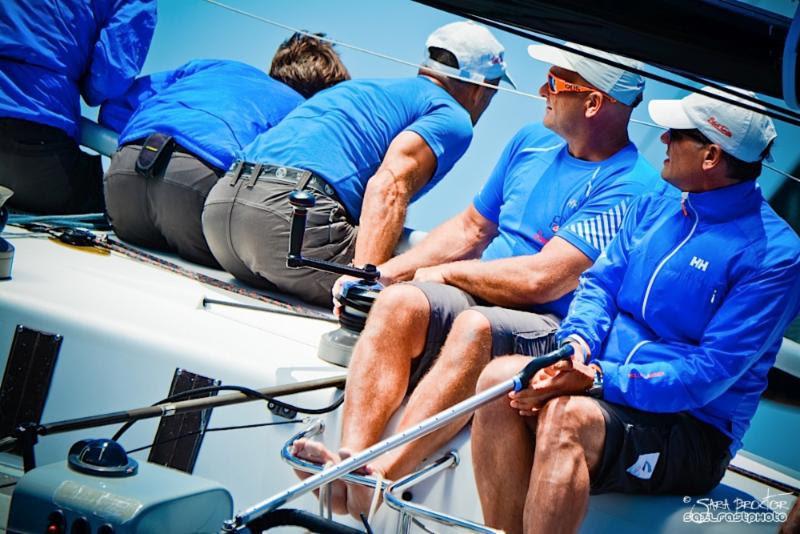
[{"x": 721, "y": 128}]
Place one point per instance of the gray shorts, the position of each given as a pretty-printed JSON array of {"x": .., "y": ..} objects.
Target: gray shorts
[
  {"x": 513, "y": 331},
  {"x": 247, "y": 228}
]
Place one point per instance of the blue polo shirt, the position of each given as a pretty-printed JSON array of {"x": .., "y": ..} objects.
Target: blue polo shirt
[
  {"x": 52, "y": 52},
  {"x": 343, "y": 133},
  {"x": 211, "y": 107},
  {"x": 538, "y": 190}
]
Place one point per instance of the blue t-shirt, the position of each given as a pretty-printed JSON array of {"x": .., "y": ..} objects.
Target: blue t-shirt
[
  {"x": 343, "y": 133},
  {"x": 52, "y": 52},
  {"x": 538, "y": 190},
  {"x": 211, "y": 107}
]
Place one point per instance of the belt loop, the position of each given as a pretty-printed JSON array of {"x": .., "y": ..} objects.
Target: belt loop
[
  {"x": 254, "y": 175},
  {"x": 236, "y": 171},
  {"x": 302, "y": 181}
]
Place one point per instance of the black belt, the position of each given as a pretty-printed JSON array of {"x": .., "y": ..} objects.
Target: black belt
[
  {"x": 156, "y": 151},
  {"x": 252, "y": 172}
]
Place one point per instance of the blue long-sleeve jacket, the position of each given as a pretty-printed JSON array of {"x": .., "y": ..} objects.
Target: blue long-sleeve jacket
[
  {"x": 54, "y": 51},
  {"x": 686, "y": 309}
]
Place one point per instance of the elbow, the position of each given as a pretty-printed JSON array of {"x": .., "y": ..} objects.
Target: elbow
[{"x": 542, "y": 289}]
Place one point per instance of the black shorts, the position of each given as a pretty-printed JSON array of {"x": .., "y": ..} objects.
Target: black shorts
[
  {"x": 513, "y": 331},
  {"x": 654, "y": 453}
]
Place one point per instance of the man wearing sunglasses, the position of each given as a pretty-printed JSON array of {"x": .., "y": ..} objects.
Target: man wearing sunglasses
[
  {"x": 674, "y": 328},
  {"x": 497, "y": 278}
]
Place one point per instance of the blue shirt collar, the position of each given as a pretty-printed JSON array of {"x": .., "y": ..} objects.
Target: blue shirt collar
[{"x": 726, "y": 203}]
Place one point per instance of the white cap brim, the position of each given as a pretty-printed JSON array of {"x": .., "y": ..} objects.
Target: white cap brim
[
  {"x": 670, "y": 114},
  {"x": 550, "y": 54}
]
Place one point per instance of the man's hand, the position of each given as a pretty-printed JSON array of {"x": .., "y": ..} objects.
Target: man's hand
[
  {"x": 341, "y": 284},
  {"x": 567, "y": 377},
  {"x": 434, "y": 273},
  {"x": 336, "y": 292}
]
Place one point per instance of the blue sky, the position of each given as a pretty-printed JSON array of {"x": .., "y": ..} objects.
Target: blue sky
[{"x": 191, "y": 29}]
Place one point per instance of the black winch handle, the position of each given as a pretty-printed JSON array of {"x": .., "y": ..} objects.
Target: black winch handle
[{"x": 301, "y": 202}]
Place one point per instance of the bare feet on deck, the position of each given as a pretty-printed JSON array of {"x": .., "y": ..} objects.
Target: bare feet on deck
[
  {"x": 345, "y": 498},
  {"x": 316, "y": 452},
  {"x": 359, "y": 498}
]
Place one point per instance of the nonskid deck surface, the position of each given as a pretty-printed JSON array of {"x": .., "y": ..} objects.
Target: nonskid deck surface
[{"x": 127, "y": 325}]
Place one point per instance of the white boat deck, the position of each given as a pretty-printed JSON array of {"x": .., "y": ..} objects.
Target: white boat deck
[{"x": 128, "y": 325}]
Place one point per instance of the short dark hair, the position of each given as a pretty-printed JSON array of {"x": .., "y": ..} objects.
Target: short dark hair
[
  {"x": 745, "y": 170},
  {"x": 445, "y": 57},
  {"x": 307, "y": 64}
]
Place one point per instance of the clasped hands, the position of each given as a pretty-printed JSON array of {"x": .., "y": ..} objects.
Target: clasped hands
[{"x": 566, "y": 377}]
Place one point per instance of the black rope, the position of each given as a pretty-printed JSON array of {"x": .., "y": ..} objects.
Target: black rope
[{"x": 252, "y": 393}]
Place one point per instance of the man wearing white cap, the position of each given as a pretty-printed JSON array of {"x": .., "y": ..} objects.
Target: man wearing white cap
[
  {"x": 366, "y": 149},
  {"x": 497, "y": 278},
  {"x": 674, "y": 328}
]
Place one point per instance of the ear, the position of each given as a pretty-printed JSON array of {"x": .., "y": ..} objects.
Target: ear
[
  {"x": 712, "y": 157},
  {"x": 592, "y": 104}
]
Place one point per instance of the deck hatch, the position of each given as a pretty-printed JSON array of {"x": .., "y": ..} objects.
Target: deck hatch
[
  {"x": 26, "y": 382},
  {"x": 169, "y": 448}
]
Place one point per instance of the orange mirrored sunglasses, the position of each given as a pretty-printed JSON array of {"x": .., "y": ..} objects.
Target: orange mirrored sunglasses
[{"x": 559, "y": 85}]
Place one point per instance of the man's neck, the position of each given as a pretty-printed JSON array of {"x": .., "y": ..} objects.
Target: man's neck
[{"x": 596, "y": 144}]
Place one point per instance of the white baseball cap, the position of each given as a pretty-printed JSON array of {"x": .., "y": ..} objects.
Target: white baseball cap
[
  {"x": 619, "y": 84},
  {"x": 479, "y": 54},
  {"x": 742, "y": 133}
]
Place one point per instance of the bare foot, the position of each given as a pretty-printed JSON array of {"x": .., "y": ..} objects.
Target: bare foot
[
  {"x": 316, "y": 452},
  {"x": 359, "y": 498}
]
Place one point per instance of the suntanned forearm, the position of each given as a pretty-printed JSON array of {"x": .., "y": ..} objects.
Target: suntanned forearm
[
  {"x": 407, "y": 166},
  {"x": 382, "y": 216},
  {"x": 463, "y": 237},
  {"x": 521, "y": 281}
]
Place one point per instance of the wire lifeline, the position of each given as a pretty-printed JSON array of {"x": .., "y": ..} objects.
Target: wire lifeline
[{"x": 498, "y": 88}]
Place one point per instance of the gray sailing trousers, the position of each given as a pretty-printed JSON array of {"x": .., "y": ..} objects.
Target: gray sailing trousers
[{"x": 247, "y": 222}]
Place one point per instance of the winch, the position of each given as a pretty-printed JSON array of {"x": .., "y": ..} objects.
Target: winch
[{"x": 357, "y": 295}]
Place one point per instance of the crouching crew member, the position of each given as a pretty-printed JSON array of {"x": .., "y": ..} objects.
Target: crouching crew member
[
  {"x": 366, "y": 148},
  {"x": 183, "y": 129}
]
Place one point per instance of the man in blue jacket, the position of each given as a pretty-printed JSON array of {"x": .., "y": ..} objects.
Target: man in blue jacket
[
  {"x": 365, "y": 148},
  {"x": 52, "y": 53},
  {"x": 552, "y": 204},
  {"x": 674, "y": 328},
  {"x": 183, "y": 131}
]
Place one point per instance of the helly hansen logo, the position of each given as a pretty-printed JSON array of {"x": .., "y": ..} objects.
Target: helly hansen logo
[{"x": 699, "y": 263}]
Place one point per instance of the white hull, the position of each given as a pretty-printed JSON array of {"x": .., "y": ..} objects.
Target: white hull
[{"x": 127, "y": 326}]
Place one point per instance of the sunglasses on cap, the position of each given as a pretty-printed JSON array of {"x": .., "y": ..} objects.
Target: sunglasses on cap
[
  {"x": 693, "y": 134},
  {"x": 559, "y": 85}
]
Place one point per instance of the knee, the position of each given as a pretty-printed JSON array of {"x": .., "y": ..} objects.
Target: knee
[
  {"x": 399, "y": 305},
  {"x": 472, "y": 326},
  {"x": 499, "y": 370},
  {"x": 568, "y": 419},
  {"x": 469, "y": 341}
]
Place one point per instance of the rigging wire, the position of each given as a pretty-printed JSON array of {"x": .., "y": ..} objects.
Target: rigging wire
[{"x": 505, "y": 27}]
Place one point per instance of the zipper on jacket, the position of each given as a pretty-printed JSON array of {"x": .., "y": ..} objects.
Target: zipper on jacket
[
  {"x": 634, "y": 349},
  {"x": 684, "y": 202}
]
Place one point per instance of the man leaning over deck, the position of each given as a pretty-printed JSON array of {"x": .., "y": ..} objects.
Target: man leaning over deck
[
  {"x": 194, "y": 119},
  {"x": 675, "y": 328},
  {"x": 365, "y": 148},
  {"x": 547, "y": 211}
]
